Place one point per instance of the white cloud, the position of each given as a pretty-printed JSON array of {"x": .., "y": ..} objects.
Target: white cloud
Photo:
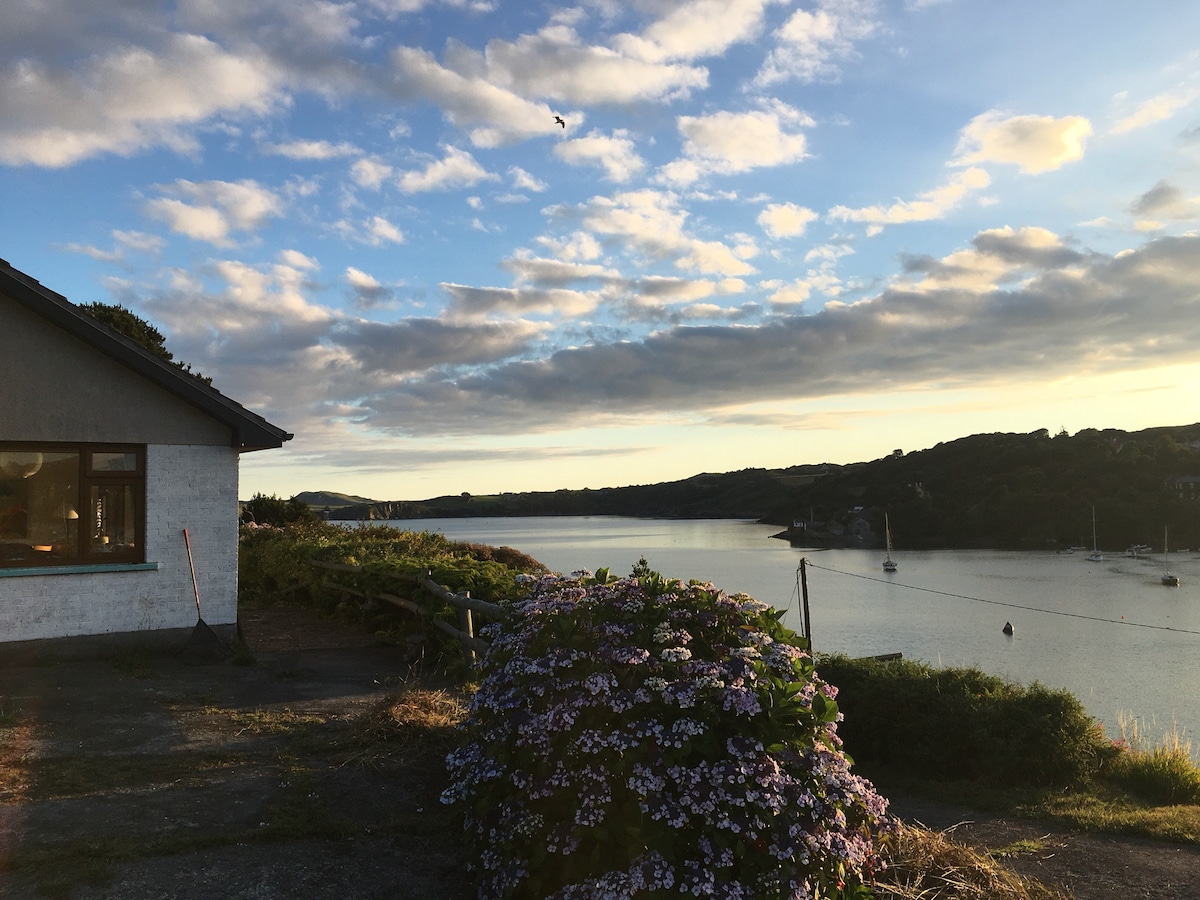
[
  {"x": 579, "y": 246},
  {"x": 556, "y": 64},
  {"x": 528, "y": 269},
  {"x": 126, "y": 100},
  {"x": 360, "y": 280},
  {"x": 317, "y": 150},
  {"x": 472, "y": 302},
  {"x": 212, "y": 210},
  {"x": 524, "y": 181},
  {"x": 970, "y": 334},
  {"x": 492, "y": 114},
  {"x": 811, "y": 41},
  {"x": 695, "y": 29},
  {"x": 729, "y": 142},
  {"x": 1033, "y": 143},
  {"x": 997, "y": 257},
  {"x": 139, "y": 241},
  {"x": 1156, "y": 109},
  {"x": 652, "y": 225},
  {"x": 614, "y": 153},
  {"x": 384, "y": 232},
  {"x": 457, "y": 169},
  {"x": 931, "y": 205},
  {"x": 791, "y": 293},
  {"x": 297, "y": 260},
  {"x": 370, "y": 173},
  {"x": 716, "y": 258},
  {"x": 374, "y": 231},
  {"x": 783, "y": 220}
]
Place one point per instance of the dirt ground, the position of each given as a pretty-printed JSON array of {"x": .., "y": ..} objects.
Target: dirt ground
[
  {"x": 149, "y": 777},
  {"x": 137, "y": 777}
]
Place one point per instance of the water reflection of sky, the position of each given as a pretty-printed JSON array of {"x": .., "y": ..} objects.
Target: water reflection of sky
[{"x": 946, "y": 608}]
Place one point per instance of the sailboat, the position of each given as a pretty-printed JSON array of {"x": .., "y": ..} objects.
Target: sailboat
[
  {"x": 1168, "y": 579},
  {"x": 1096, "y": 556},
  {"x": 889, "y": 564}
]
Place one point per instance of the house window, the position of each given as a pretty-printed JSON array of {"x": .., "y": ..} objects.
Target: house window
[{"x": 65, "y": 504}]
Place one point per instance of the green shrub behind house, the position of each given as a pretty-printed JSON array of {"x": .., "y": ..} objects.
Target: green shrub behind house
[{"x": 275, "y": 565}]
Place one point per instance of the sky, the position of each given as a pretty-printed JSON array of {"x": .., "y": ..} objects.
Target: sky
[{"x": 765, "y": 233}]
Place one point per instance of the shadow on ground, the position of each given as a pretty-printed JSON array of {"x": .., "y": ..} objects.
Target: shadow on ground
[{"x": 143, "y": 776}]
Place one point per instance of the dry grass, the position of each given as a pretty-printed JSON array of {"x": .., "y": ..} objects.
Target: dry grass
[
  {"x": 415, "y": 721},
  {"x": 928, "y": 865}
]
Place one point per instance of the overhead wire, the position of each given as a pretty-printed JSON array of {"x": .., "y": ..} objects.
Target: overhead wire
[{"x": 1037, "y": 609}]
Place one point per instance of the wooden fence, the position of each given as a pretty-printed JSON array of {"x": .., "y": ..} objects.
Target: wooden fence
[{"x": 467, "y": 606}]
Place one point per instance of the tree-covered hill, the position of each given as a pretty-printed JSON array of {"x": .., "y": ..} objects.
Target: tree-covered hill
[
  {"x": 1029, "y": 490},
  {"x": 987, "y": 490}
]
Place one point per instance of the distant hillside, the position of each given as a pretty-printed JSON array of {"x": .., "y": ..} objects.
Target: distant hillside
[
  {"x": 986, "y": 490},
  {"x": 321, "y": 499}
]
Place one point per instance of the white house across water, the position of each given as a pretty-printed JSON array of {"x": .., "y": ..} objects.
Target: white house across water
[{"x": 107, "y": 454}]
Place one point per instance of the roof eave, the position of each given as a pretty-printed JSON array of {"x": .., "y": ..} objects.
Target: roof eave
[{"x": 250, "y": 431}]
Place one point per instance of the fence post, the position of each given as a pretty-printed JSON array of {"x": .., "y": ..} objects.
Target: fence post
[{"x": 467, "y": 627}]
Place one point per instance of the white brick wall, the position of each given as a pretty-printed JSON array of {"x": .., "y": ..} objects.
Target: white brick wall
[{"x": 192, "y": 487}]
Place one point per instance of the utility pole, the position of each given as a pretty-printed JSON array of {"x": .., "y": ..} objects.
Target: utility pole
[{"x": 802, "y": 577}]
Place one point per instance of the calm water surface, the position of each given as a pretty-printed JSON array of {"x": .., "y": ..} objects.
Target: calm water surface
[{"x": 1108, "y": 632}]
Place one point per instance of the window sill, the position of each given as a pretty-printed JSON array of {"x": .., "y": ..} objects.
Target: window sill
[{"x": 81, "y": 569}]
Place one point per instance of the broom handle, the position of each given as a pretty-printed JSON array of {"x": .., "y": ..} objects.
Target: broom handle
[{"x": 195, "y": 588}]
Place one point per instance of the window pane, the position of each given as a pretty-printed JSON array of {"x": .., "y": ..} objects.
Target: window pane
[
  {"x": 112, "y": 516},
  {"x": 114, "y": 462},
  {"x": 38, "y": 518}
]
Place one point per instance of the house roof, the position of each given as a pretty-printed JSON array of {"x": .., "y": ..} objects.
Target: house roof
[{"x": 250, "y": 430}]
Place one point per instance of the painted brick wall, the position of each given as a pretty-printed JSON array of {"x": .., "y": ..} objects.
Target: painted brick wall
[{"x": 192, "y": 487}]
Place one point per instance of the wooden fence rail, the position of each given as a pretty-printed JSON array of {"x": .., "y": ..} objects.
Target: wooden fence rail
[
  {"x": 464, "y": 633},
  {"x": 473, "y": 647}
]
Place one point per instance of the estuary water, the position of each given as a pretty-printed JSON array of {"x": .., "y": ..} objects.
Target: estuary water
[{"x": 1108, "y": 632}]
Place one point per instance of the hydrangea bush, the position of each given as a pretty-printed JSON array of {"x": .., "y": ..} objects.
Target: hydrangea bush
[{"x": 641, "y": 737}]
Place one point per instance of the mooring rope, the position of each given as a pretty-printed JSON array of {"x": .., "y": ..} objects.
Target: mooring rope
[{"x": 1049, "y": 612}]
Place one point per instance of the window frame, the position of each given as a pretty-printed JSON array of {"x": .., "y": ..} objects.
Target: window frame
[{"x": 87, "y": 478}]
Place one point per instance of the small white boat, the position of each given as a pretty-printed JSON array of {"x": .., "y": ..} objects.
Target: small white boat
[
  {"x": 1168, "y": 579},
  {"x": 889, "y": 565}
]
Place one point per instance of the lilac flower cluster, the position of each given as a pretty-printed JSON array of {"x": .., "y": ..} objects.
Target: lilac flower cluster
[{"x": 642, "y": 737}]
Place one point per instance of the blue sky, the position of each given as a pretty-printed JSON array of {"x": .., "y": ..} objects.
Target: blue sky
[{"x": 769, "y": 233}]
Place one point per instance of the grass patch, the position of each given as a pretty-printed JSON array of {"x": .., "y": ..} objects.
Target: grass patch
[
  {"x": 16, "y": 764},
  {"x": 94, "y": 774},
  {"x": 1023, "y": 847},
  {"x": 1120, "y": 814},
  {"x": 268, "y": 721},
  {"x": 1162, "y": 772}
]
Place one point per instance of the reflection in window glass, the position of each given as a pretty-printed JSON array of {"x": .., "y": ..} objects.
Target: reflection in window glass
[
  {"x": 114, "y": 462},
  {"x": 38, "y": 518},
  {"x": 112, "y": 517}
]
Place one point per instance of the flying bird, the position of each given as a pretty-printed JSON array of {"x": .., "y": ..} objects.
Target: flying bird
[{"x": 558, "y": 120}]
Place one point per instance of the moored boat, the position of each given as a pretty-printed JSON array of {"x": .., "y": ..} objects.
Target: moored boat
[
  {"x": 889, "y": 565},
  {"x": 1168, "y": 579},
  {"x": 1096, "y": 556}
]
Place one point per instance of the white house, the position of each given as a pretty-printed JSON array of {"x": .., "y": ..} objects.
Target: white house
[{"x": 107, "y": 454}]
